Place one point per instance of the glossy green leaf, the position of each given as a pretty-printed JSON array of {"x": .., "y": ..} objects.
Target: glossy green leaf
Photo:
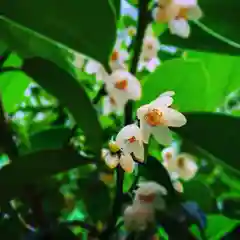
[
  {"x": 215, "y": 133},
  {"x": 96, "y": 197},
  {"x": 116, "y": 5},
  {"x": 52, "y": 138},
  {"x": 88, "y": 27},
  {"x": 195, "y": 190},
  {"x": 34, "y": 167},
  {"x": 153, "y": 170},
  {"x": 70, "y": 93},
  {"x": 13, "y": 84},
  {"x": 218, "y": 226},
  {"x": 188, "y": 79},
  {"x": 224, "y": 74},
  {"x": 218, "y": 20},
  {"x": 28, "y": 44}
]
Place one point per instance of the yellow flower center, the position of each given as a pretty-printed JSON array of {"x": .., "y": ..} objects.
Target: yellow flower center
[
  {"x": 113, "y": 147},
  {"x": 121, "y": 84},
  {"x": 132, "y": 139},
  {"x": 115, "y": 55},
  {"x": 168, "y": 156},
  {"x": 131, "y": 32},
  {"x": 181, "y": 162},
  {"x": 147, "y": 198},
  {"x": 154, "y": 118},
  {"x": 149, "y": 46},
  {"x": 182, "y": 13}
]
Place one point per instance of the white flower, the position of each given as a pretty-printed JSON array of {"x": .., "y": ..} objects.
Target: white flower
[
  {"x": 110, "y": 105},
  {"x": 130, "y": 140},
  {"x": 150, "y": 193},
  {"x": 94, "y": 67},
  {"x": 115, "y": 157},
  {"x": 150, "y": 47},
  {"x": 118, "y": 57},
  {"x": 183, "y": 164},
  {"x": 178, "y": 186},
  {"x": 157, "y": 116},
  {"x": 122, "y": 86},
  {"x": 137, "y": 217},
  {"x": 150, "y": 65},
  {"x": 177, "y": 13}
]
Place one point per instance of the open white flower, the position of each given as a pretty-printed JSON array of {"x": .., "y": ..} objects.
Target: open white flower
[
  {"x": 123, "y": 86},
  {"x": 183, "y": 164},
  {"x": 94, "y": 67},
  {"x": 177, "y": 13},
  {"x": 112, "y": 105},
  {"x": 115, "y": 157},
  {"x": 148, "y": 64},
  {"x": 130, "y": 141},
  {"x": 150, "y": 193},
  {"x": 118, "y": 57},
  {"x": 156, "y": 117}
]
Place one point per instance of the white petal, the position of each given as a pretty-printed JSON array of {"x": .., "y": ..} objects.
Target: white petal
[
  {"x": 142, "y": 111},
  {"x": 162, "y": 101},
  {"x": 120, "y": 97},
  {"x": 137, "y": 149},
  {"x": 126, "y": 133},
  {"x": 185, "y": 3},
  {"x": 194, "y": 13},
  {"x": 101, "y": 74},
  {"x": 168, "y": 93},
  {"x": 123, "y": 56},
  {"x": 146, "y": 131},
  {"x": 189, "y": 168},
  {"x": 92, "y": 67},
  {"x": 174, "y": 118},
  {"x": 111, "y": 160},
  {"x": 162, "y": 134},
  {"x": 107, "y": 106},
  {"x": 169, "y": 153},
  {"x": 152, "y": 64},
  {"x": 127, "y": 163},
  {"x": 180, "y": 28},
  {"x": 134, "y": 88},
  {"x": 178, "y": 186}
]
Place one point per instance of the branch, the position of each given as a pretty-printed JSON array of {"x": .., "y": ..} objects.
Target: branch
[{"x": 141, "y": 27}]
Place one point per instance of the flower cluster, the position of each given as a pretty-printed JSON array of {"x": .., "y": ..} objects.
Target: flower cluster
[
  {"x": 148, "y": 199},
  {"x": 179, "y": 165},
  {"x": 177, "y": 13},
  {"x": 155, "y": 118}
]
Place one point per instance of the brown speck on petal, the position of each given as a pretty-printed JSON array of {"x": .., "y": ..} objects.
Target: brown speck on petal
[
  {"x": 121, "y": 84},
  {"x": 181, "y": 162},
  {"x": 146, "y": 198}
]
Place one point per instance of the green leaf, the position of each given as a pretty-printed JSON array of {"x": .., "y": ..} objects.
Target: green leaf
[
  {"x": 13, "y": 84},
  {"x": 218, "y": 20},
  {"x": 70, "y": 93},
  {"x": 34, "y": 167},
  {"x": 96, "y": 197},
  {"x": 188, "y": 79},
  {"x": 116, "y": 5},
  {"x": 28, "y": 44},
  {"x": 215, "y": 133},
  {"x": 195, "y": 190},
  {"x": 52, "y": 138},
  {"x": 218, "y": 226},
  {"x": 88, "y": 27},
  {"x": 230, "y": 206},
  {"x": 224, "y": 75},
  {"x": 153, "y": 170}
]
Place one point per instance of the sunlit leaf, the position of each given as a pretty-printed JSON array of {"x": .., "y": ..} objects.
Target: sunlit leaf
[{"x": 188, "y": 79}]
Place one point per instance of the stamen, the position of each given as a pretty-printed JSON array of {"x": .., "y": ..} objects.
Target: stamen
[{"x": 154, "y": 118}]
